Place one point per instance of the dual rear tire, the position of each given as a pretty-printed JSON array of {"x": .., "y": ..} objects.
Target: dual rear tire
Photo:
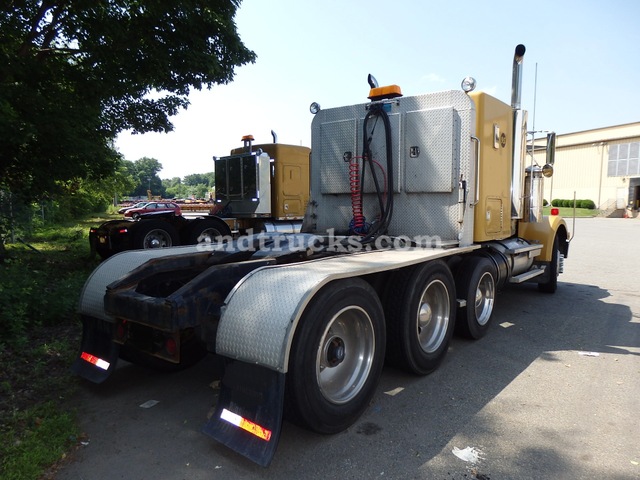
[
  {"x": 476, "y": 284},
  {"x": 420, "y": 316},
  {"x": 338, "y": 350}
]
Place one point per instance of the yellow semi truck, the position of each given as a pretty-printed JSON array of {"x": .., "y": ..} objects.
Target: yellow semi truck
[
  {"x": 258, "y": 188},
  {"x": 263, "y": 187},
  {"x": 421, "y": 208}
]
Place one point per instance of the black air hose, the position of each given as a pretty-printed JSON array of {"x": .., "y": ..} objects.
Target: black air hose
[{"x": 377, "y": 111}]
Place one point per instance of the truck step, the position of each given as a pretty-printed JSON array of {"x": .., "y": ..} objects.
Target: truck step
[
  {"x": 523, "y": 277},
  {"x": 532, "y": 249}
]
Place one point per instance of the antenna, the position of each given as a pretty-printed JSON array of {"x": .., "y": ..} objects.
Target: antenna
[{"x": 535, "y": 92}]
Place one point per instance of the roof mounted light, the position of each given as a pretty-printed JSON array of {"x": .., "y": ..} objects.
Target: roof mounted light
[
  {"x": 377, "y": 93},
  {"x": 314, "y": 108},
  {"x": 246, "y": 141},
  {"x": 468, "y": 84}
]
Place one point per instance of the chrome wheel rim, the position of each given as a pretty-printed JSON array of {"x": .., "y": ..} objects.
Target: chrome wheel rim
[
  {"x": 209, "y": 235},
  {"x": 433, "y": 316},
  {"x": 345, "y": 355},
  {"x": 157, "y": 239},
  {"x": 485, "y": 295}
]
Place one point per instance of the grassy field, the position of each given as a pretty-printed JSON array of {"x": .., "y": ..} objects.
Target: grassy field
[
  {"x": 40, "y": 282},
  {"x": 569, "y": 213}
]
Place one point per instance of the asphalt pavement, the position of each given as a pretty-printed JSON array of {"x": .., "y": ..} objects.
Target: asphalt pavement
[{"x": 552, "y": 392}]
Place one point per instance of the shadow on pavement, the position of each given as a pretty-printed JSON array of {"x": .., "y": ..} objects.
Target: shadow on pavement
[{"x": 403, "y": 433}]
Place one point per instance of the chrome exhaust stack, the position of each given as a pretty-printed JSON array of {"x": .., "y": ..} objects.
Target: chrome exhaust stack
[
  {"x": 516, "y": 79},
  {"x": 519, "y": 135}
]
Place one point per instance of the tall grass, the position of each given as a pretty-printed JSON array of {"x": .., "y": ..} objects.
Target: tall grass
[{"x": 40, "y": 282}]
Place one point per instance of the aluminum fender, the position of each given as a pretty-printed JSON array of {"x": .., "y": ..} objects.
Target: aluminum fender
[
  {"x": 92, "y": 297},
  {"x": 261, "y": 313},
  {"x": 544, "y": 232}
]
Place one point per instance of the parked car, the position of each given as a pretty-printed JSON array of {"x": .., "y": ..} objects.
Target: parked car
[
  {"x": 153, "y": 207},
  {"x": 137, "y": 205}
]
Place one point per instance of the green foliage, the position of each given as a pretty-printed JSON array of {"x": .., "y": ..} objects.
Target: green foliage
[
  {"x": 570, "y": 212},
  {"x": 35, "y": 439},
  {"x": 174, "y": 188},
  {"x": 41, "y": 280},
  {"x": 198, "y": 185},
  {"x": 587, "y": 204},
  {"x": 145, "y": 174},
  {"x": 207, "y": 179},
  {"x": 75, "y": 74},
  {"x": 201, "y": 191}
]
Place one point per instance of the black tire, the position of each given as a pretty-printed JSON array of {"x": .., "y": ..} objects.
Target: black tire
[
  {"x": 336, "y": 358},
  {"x": 104, "y": 253},
  {"x": 420, "y": 313},
  {"x": 551, "y": 285},
  {"x": 209, "y": 230},
  {"x": 135, "y": 215},
  {"x": 155, "y": 234},
  {"x": 96, "y": 248},
  {"x": 476, "y": 283}
]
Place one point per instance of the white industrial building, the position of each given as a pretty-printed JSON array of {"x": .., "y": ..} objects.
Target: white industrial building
[{"x": 602, "y": 165}]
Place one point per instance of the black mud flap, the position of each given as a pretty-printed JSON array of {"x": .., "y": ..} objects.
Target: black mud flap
[
  {"x": 98, "y": 353},
  {"x": 248, "y": 416}
]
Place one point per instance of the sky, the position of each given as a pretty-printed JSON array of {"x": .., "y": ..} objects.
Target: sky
[{"x": 580, "y": 67}]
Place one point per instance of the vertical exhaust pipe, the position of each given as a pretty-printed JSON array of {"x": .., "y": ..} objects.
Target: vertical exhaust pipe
[
  {"x": 519, "y": 135},
  {"x": 516, "y": 79}
]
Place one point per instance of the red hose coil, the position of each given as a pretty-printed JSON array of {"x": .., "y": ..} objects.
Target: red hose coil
[{"x": 356, "y": 198}]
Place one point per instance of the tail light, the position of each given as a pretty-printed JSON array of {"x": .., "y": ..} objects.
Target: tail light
[
  {"x": 121, "y": 331},
  {"x": 555, "y": 211},
  {"x": 171, "y": 346}
]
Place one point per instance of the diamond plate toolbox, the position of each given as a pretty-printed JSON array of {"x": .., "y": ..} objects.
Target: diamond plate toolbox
[{"x": 432, "y": 158}]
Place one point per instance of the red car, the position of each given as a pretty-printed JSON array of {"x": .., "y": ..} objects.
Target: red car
[
  {"x": 154, "y": 207},
  {"x": 137, "y": 205}
]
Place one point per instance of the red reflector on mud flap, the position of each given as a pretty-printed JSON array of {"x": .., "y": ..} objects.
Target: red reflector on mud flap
[
  {"x": 245, "y": 424},
  {"x": 249, "y": 391},
  {"x": 98, "y": 362}
]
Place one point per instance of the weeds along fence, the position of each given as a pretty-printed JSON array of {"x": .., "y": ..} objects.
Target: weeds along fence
[
  {"x": 18, "y": 219},
  {"x": 22, "y": 218}
]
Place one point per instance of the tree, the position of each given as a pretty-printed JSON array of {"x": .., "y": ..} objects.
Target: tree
[
  {"x": 146, "y": 174},
  {"x": 122, "y": 182},
  {"x": 75, "y": 74},
  {"x": 174, "y": 188},
  {"x": 200, "y": 191},
  {"x": 200, "y": 178}
]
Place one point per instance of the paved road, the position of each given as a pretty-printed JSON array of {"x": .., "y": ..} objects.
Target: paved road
[{"x": 526, "y": 399}]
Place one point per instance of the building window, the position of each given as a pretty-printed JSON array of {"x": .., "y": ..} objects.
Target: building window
[{"x": 624, "y": 160}]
